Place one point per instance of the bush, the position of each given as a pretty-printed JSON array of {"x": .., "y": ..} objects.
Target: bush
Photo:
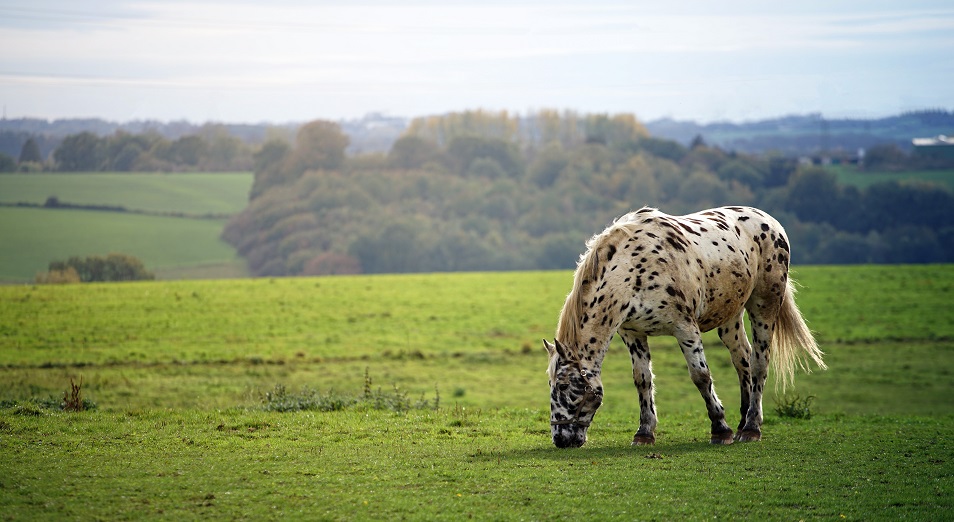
[
  {"x": 58, "y": 277},
  {"x": 113, "y": 267}
]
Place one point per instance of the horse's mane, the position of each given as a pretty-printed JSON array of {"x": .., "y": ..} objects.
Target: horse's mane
[
  {"x": 587, "y": 272},
  {"x": 568, "y": 329}
]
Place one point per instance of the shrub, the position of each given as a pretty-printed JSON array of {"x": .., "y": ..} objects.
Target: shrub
[{"x": 113, "y": 267}]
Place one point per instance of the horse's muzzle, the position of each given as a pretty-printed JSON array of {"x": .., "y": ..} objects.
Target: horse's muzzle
[{"x": 569, "y": 436}]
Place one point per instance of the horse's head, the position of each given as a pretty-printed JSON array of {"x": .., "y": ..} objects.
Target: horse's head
[{"x": 575, "y": 395}]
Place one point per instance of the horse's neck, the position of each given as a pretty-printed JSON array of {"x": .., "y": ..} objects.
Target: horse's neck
[{"x": 591, "y": 354}]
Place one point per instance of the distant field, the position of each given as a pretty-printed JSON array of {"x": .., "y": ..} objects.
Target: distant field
[
  {"x": 192, "y": 193},
  {"x": 171, "y": 247},
  {"x": 850, "y": 175},
  {"x": 33, "y": 237}
]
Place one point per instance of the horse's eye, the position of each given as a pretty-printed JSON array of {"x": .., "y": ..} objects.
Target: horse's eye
[{"x": 563, "y": 386}]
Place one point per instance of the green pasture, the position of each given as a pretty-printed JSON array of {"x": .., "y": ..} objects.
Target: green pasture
[
  {"x": 172, "y": 247},
  {"x": 189, "y": 193},
  {"x": 457, "y": 464},
  {"x": 32, "y": 237},
  {"x": 179, "y": 372},
  {"x": 850, "y": 175}
]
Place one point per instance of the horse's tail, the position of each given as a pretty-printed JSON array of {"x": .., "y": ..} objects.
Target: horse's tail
[{"x": 793, "y": 342}]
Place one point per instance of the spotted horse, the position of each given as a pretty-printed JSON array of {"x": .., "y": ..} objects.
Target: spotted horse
[{"x": 652, "y": 274}]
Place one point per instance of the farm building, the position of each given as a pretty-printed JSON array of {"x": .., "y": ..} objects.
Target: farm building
[{"x": 940, "y": 147}]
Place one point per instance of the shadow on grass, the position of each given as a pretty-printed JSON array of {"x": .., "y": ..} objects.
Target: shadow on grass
[{"x": 588, "y": 453}]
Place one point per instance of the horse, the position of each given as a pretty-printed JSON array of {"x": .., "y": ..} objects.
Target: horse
[{"x": 652, "y": 274}]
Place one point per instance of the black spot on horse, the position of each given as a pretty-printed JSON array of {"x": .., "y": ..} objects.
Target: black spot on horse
[
  {"x": 675, "y": 244},
  {"x": 781, "y": 243}
]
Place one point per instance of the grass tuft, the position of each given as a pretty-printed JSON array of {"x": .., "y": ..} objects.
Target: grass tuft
[
  {"x": 396, "y": 400},
  {"x": 794, "y": 406}
]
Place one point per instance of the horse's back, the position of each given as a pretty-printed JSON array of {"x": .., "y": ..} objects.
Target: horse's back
[
  {"x": 762, "y": 247},
  {"x": 711, "y": 263}
]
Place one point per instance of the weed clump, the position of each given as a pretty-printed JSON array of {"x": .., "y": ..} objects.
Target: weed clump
[
  {"x": 72, "y": 400},
  {"x": 396, "y": 400},
  {"x": 795, "y": 407}
]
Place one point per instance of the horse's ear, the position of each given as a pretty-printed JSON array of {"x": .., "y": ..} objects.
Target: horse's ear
[
  {"x": 550, "y": 348},
  {"x": 560, "y": 349}
]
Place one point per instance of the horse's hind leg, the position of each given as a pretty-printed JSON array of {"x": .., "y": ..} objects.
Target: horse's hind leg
[
  {"x": 762, "y": 315},
  {"x": 690, "y": 341},
  {"x": 733, "y": 336},
  {"x": 643, "y": 379}
]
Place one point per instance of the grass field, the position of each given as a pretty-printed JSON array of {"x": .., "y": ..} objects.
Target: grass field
[
  {"x": 32, "y": 237},
  {"x": 190, "y": 193},
  {"x": 850, "y": 175},
  {"x": 179, "y": 371},
  {"x": 173, "y": 247}
]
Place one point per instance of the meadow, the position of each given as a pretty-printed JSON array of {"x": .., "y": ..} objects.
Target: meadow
[
  {"x": 181, "y": 374},
  {"x": 195, "y": 193},
  {"x": 174, "y": 223},
  {"x": 850, "y": 175}
]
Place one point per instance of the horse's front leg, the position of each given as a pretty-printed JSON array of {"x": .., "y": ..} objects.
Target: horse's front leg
[
  {"x": 643, "y": 379},
  {"x": 690, "y": 341}
]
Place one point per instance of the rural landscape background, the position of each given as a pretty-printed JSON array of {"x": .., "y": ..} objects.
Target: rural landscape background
[
  {"x": 399, "y": 373},
  {"x": 475, "y": 190}
]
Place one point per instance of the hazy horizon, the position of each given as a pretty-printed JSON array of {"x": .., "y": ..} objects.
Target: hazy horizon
[{"x": 293, "y": 61}]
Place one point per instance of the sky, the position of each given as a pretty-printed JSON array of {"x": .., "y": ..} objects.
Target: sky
[{"x": 244, "y": 61}]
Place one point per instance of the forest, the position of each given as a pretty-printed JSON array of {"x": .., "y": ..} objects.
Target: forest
[{"x": 491, "y": 191}]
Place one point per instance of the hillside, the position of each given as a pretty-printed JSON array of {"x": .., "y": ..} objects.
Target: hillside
[
  {"x": 172, "y": 222},
  {"x": 488, "y": 191}
]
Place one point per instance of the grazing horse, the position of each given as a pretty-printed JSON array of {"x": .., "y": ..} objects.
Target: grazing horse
[{"x": 653, "y": 274}]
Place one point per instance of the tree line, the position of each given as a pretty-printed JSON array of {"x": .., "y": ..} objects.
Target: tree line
[
  {"x": 28, "y": 144},
  {"x": 212, "y": 149},
  {"x": 491, "y": 191}
]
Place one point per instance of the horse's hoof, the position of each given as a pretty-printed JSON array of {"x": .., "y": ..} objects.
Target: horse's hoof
[
  {"x": 722, "y": 438},
  {"x": 644, "y": 440},
  {"x": 749, "y": 436}
]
